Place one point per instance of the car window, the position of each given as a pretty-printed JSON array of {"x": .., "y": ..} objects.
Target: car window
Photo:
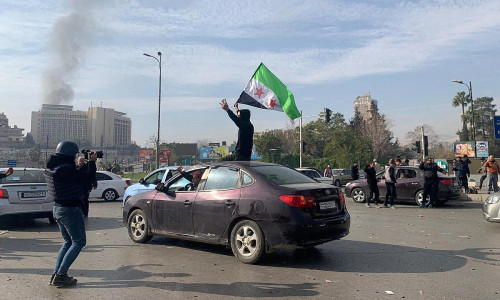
[
  {"x": 315, "y": 174},
  {"x": 25, "y": 176},
  {"x": 222, "y": 178},
  {"x": 247, "y": 180},
  {"x": 102, "y": 176},
  {"x": 336, "y": 172},
  {"x": 283, "y": 175},
  {"x": 155, "y": 176},
  {"x": 407, "y": 173},
  {"x": 177, "y": 184}
]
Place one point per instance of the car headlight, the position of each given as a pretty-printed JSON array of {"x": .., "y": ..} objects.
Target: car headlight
[
  {"x": 492, "y": 199},
  {"x": 347, "y": 184}
]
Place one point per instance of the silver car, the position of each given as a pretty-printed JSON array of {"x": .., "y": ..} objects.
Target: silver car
[
  {"x": 314, "y": 174},
  {"x": 491, "y": 208},
  {"x": 24, "y": 193}
]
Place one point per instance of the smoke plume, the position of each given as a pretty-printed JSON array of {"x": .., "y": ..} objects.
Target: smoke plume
[{"x": 69, "y": 40}]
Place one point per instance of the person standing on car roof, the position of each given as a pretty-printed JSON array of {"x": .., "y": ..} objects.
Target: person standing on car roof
[
  {"x": 431, "y": 181},
  {"x": 7, "y": 173},
  {"x": 65, "y": 186},
  {"x": 245, "y": 132},
  {"x": 371, "y": 178}
]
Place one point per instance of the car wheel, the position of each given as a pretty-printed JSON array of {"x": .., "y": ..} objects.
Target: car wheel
[
  {"x": 337, "y": 183},
  {"x": 419, "y": 196},
  {"x": 138, "y": 227},
  {"x": 358, "y": 195},
  {"x": 109, "y": 195},
  {"x": 52, "y": 220},
  {"x": 247, "y": 241}
]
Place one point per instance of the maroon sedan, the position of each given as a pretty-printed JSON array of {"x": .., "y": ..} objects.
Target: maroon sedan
[
  {"x": 251, "y": 207},
  {"x": 410, "y": 186}
]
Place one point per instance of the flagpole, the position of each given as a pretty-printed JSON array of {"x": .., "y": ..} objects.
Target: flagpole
[{"x": 300, "y": 138}]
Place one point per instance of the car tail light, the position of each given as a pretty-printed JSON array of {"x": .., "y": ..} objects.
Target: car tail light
[
  {"x": 298, "y": 200},
  {"x": 342, "y": 198},
  {"x": 127, "y": 181},
  {"x": 4, "y": 194},
  {"x": 447, "y": 181}
]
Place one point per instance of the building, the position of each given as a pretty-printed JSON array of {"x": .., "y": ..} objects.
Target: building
[
  {"x": 9, "y": 135},
  {"x": 366, "y": 106},
  {"x": 96, "y": 127}
]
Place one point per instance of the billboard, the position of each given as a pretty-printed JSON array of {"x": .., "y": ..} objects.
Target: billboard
[
  {"x": 164, "y": 155},
  {"x": 464, "y": 148},
  {"x": 482, "y": 149},
  {"x": 213, "y": 152},
  {"x": 146, "y": 155}
]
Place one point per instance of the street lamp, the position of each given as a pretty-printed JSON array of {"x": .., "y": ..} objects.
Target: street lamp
[
  {"x": 472, "y": 108},
  {"x": 159, "y": 103}
]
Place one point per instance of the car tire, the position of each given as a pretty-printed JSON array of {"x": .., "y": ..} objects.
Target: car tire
[
  {"x": 138, "y": 227},
  {"x": 337, "y": 183},
  {"x": 110, "y": 195},
  {"x": 52, "y": 221},
  {"x": 247, "y": 242},
  {"x": 419, "y": 196},
  {"x": 358, "y": 195}
]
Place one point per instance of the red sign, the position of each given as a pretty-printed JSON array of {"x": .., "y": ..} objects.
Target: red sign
[{"x": 164, "y": 155}]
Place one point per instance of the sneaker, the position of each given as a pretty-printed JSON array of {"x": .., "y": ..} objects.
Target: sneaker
[
  {"x": 52, "y": 278},
  {"x": 430, "y": 206},
  {"x": 377, "y": 206},
  {"x": 367, "y": 205},
  {"x": 63, "y": 280},
  {"x": 385, "y": 205},
  {"x": 393, "y": 207}
]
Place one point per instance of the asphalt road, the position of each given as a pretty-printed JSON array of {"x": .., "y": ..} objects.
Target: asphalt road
[{"x": 444, "y": 253}]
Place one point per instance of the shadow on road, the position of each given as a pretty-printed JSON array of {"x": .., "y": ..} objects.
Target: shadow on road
[{"x": 43, "y": 225}]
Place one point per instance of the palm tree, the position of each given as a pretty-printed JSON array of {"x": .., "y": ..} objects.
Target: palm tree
[{"x": 461, "y": 99}]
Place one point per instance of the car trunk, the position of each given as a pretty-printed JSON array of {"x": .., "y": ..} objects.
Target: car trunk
[{"x": 26, "y": 193}]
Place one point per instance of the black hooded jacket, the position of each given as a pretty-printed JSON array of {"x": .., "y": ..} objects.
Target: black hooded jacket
[
  {"x": 65, "y": 183},
  {"x": 245, "y": 132}
]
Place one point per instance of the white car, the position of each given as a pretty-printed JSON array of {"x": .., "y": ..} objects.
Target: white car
[
  {"x": 24, "y": 193},
  {"x": 109, "y": 186},
  {"x": 314, "y": 174}
]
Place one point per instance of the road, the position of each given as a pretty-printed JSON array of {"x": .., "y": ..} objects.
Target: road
[{"x": 444, "y": 253}]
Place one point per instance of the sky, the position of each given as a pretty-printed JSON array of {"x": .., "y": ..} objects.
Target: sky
[{"x": 404, "y": 53}]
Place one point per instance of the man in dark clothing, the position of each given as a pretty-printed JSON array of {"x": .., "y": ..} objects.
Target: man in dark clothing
[
  {"x": 7, "y": 173},
  {"x": 245, "y": 132},
  {"x": 371, "y": 178},
  {"x": 431, "y": 181},
  {"x": 390, "y": 184},
  {"x": 65, "y": 186},
  {"x": 462, "y": 172},
  {"x": 483, "y": 171},
  {"x": 194, "y": 178},
  {"x": 91, "y": 184},
  {"x": 355, "y": 171}
]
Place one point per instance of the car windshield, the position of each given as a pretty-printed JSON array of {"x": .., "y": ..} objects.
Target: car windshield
[
  {"x": 24, "y": 176},
  {"x": 283, "y": 175}
]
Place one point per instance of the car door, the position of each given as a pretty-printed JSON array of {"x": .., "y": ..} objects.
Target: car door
[
  {"x": 406, "y": 183},
  {"x": 217, "y": 202},
  {"x": 102, "y": 184},
  {"x": 173, "y": 208},
  {"x": 345, "y": 176}
]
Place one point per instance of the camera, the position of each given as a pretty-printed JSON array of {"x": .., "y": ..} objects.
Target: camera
[{"x": 86, "y": 151}]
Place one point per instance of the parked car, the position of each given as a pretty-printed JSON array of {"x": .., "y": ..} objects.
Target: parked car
[
  {"x": 341, "y": 176},
  {"x": 109, "y": 186},
  {"x": 149, "y": 182},
  {"x": 410, "y": 186},
  {"x": 252, "y": 207},
  {"x": 314, "y": 174},
  {"x": 24, "y": 193},
  {"x": 491, "y": 208}
]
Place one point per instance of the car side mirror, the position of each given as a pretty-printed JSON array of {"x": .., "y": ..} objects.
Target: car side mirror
[
  {"x": 159, "y": 187},
  {"x": 141, "y": 181}
]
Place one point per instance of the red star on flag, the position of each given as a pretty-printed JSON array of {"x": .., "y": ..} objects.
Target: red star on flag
[
  {"x": 258, "y": 92},
  {"x": 272, "y": 103}
]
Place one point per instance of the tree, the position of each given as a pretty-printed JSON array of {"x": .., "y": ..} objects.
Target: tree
[
  {"x": 461, "y": 100},
  {"x": 272, "y": 139},
  {"x": 29, "y": 141},
  {"x": 416, "y": 134},
  {"x": 34, "y": 154},
  {"x": 376, "y": 131},
  {"x": 484, "y": 110}
]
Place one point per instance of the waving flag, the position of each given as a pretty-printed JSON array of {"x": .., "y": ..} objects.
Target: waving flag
[{"x": 266, "y": 91}]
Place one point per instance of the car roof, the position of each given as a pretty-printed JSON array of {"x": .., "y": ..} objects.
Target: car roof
[{"x": 24, "y": 169}]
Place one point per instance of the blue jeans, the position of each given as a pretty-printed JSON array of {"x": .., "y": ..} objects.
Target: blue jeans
[
  {"x": 492, "y": 182},
  {"x": 72, "y": 227}
]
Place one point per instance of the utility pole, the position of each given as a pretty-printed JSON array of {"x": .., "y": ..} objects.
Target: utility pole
[{"x": 423, "y": 147}]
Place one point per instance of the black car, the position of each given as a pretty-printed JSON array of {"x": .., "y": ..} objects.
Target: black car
[
  {"x": 250, "y": 206},
  {"x": 410, "y": 186}
]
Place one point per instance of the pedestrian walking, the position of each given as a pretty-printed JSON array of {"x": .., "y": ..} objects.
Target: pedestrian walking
[
  {"x": 493, "y": 169},
  {"x": 462, "y": 172},
  {"x": 390, "y": 184},
  {"x": 371, "y": 178},
  {"x": 431, "y": 182},
  {"x": 355, "y": 171},
  {"x": 328, "y": 171},
  {"x": 65, "y": 186},
  {"x": 483, "y": 171}
]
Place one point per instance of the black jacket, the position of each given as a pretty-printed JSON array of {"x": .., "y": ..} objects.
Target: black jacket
[
  {"x": 245, "y": 132},
  {"x": 354, "y": 173},
  {"x": 371, "y": 175},
  {"x": 430, "y": 170},
  {"x": 65, "y": 184}
]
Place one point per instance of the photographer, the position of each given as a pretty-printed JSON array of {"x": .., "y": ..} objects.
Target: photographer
[
  {"x": 65, "y": 185},
  {"x": 493, "y": 170},
  {"x": 91, "y": 184}
]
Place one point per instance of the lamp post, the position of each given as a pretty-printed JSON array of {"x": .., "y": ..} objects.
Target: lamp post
[
  {"x": 159, "y": 103},
  {"x": 469, "y": 87}
]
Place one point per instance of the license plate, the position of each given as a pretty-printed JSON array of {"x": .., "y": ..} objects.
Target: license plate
[
  {"x": 33, "y": 194},
  {"x": 327, "y": 205}
]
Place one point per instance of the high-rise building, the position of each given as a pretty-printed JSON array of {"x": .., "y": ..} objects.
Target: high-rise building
[
  {"x": 9, "y": 135},
  {"x": 366, "y": 106},
  {"x": 98, "y": 127}
]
